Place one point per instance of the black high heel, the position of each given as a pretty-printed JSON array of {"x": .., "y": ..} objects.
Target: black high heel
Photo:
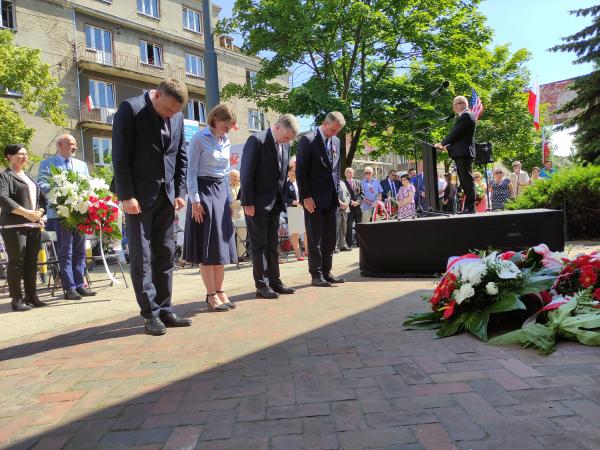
[
  {"x": 219, "y": 308},
  {"x": 229, "y": 303}
]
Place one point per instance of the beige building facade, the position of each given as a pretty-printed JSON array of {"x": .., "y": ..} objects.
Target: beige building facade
[{"x": 105, "y": 51}]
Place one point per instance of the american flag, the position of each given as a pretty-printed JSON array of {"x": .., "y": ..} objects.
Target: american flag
[{"x": 476, "y": 105}]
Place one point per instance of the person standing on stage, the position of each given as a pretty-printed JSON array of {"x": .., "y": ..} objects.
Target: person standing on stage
[
  {"x": 318, "y": 174},
  {"x": 71, "y": 243},
  {"x": 460, "y": 145},
  {"x": 354, "y": 215},
  {"x": 263, "y": 175},
  {"x": 149, "y": 163}
]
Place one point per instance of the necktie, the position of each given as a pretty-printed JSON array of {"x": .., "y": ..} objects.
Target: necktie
[
  {"x": 165, "y": 134},
  {"x": 393, "y": 186},
  {"x": 67, "y": 164},
  {"x": 329, "y": 151},
  {"x": 280, "y": 155}
]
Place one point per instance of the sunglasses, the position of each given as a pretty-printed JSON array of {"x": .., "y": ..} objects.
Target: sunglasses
[{"x": 499, "y": 173}]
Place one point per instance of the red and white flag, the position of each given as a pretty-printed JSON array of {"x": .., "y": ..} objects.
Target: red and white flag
[
  {"x": 534, "y": 104},
  {"x": 89, "y": 103}
]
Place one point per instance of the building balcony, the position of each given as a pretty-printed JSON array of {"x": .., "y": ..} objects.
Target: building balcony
[
  {"x": 98, "y": 118},
  {"x": 130, "y": 66}
]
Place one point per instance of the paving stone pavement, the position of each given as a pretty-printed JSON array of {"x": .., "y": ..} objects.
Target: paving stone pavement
[{"x": 326, "y": 368}]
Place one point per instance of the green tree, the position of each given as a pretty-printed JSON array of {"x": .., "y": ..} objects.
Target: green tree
[
  {"x": 353, "y": 50},
  {"x": 23, "y": 72},
  {"x": 587, "y": 102}
]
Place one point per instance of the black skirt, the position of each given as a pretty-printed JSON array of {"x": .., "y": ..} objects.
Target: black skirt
[{"x": 211, "y": 242}]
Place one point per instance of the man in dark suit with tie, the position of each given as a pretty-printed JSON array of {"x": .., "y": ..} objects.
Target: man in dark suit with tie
[
  {"x": 390, "y": 185},
  {"x": 318, "y": 175},
  {"x": 460, "y": 144},
  {"x": 149, "y": 163},
  {"x": 355, "y": 214},
  {"x": 263, "y": 173}
]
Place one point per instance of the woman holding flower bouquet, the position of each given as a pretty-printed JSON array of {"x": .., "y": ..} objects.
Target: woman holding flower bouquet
[
  {"x": 406, "y": 198},
  {"x": 22, "y": 205},
  {"x": 209, "y": 237},
  {"x": 481, "y": 203}
]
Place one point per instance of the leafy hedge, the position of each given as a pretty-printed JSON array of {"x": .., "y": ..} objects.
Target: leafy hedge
[{"x": 578, "y": 190}]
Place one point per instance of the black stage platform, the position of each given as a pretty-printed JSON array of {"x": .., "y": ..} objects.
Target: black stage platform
[{"x": 421, "y": 247}]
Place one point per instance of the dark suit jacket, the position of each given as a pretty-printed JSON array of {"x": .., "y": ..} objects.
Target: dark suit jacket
[
  {"x": 316, "y": 176},
  {"x": 261, "y": 179},
  {"x": 461, "y": 141},
  {"x": 14, "y": 192},
  {"x": 140, "y": 161},
  {"x": 290, "y": 193},
  {"x": 385, "y": 185}
]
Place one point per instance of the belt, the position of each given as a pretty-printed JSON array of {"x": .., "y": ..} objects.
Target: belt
[{"x": 217, "y": 180}]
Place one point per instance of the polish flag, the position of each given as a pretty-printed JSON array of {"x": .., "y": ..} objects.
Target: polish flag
[
  {"x": 89, "y": 103},
  {"x": 534, "y": 104}
]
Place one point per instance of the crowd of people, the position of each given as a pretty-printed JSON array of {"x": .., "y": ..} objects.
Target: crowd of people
[{"x": 227, "y": 210}]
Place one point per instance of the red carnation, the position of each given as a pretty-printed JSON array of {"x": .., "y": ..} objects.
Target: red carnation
[
  {"x": 93, "y": 198},
  {"x": 108, "y": 198},
  {"x": 597, "y": 294},
  {"x": 546, "y": 296},
  {"x": 449, "y": 310},
  {"x": 507, "y": 255},
  {"x": 588, "y": 277}
]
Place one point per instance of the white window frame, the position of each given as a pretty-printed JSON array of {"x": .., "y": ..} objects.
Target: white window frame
[
  {"x": 95, "y": 93},
  {"x": 190, "y": 59},
  {"x": 153, "y": 9},
  {"x": 189, "y": 20},
  {"x": 100, "y": 141},
  {"x": 201, "y": 110},
  {"x": 144, "y": 55},
  {"x": 104, "y": 56},
  {"x": 256, "y": 120},
  {"x": 13, "y": 17},
  {"x": 250, "y": 77}
]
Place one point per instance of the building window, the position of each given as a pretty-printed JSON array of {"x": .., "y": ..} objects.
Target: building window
[
  {"x": 102, "y": 150},
  {"x": 151, "y": 54},
  {"x": 196, "y": 110},
  {"x": 148, "y": 8},
  {"x": 256, "y": 120},
  {"x": 250, "y": 77},
  {"x": 99, "y": 41},
  {"x": 102, "y": 93},
  {"x": 8, "y": 14},
  {"x": 194, "y": 65},
  {"x": 191, "y": 20}
]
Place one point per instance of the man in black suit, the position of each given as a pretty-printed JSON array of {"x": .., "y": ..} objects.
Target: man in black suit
[
  {"x": 263, "y": 173},
  {"x": 318, "y": 175},
  {"x": 460, "y": 144},
  {"x": 149, "y": 163},
  {"x": 390, "y": 185}
]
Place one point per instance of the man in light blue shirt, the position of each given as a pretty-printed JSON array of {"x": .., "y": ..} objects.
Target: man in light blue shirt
[
  {"x": 71, "y": 244},
  {"x": 548, "y": 170},
  {"x": 372, "y": 192}
]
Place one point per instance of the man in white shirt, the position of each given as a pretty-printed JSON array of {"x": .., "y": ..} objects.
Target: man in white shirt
[{"x": 519, "y": 179}]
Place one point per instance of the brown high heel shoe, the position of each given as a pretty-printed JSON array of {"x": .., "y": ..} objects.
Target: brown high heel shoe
[{"x": 219, "y": 308}]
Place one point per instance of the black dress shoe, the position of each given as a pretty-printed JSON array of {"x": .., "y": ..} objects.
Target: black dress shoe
[
  {"x": 154, "y": 326},
  {"x": 85, "y": 292},
  {"x": 330, "y": 278},
  {"x": 19, "y": 305},
  {"x": 72, "y": 294},
  {"x": 281, "y": 288},
  {"x": 170, "y": 319},
  {"x": 320, "y": 282},
  {"x": 34, "y": 301},
  {"x": 266, "y": 292}
]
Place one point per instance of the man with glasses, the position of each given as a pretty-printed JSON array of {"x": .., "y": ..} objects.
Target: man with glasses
[
  {"x": 519, "y": 179},
  {"x": 372, "y": 192},
  {"x": 460, "y": 145},
  {"x": 71, "y": 244}
]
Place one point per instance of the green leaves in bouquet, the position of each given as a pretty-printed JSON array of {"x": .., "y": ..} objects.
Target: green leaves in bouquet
[
  {"x": 424, "y": 321},
  {"x": 507, "y": 302},
  {"x": 536, "y": 336}
]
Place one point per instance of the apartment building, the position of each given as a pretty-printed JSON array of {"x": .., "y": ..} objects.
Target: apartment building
[{"x": 104, "y": 51}]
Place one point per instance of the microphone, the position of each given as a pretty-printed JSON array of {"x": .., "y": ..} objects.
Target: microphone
[
  {"x": 438, "y": 89},
  {"x": 448, "y": 118}
]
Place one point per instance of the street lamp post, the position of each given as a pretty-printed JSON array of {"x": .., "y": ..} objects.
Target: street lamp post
[{"x": 211, "y": 73}]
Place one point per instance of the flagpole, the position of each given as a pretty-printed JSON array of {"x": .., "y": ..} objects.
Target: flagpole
[{"x": 543, "y": 140}]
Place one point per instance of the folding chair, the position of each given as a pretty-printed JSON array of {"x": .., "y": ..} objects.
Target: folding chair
[
  {"x": 241, "y": 240},
  {"x": 91, "y": 262},
  {"x": 47, "y": 242},
  {"x": 284, "y": 245}
]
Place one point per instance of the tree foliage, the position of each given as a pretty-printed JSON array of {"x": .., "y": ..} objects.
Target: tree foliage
[
  {"x": 586, "y": 45},
  {"x": 376, "y": 61},
  {"x": 22, "y": 71}
]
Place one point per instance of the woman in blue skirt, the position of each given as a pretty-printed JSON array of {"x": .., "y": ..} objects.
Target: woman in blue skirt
[{"x": 209, "y": 237}]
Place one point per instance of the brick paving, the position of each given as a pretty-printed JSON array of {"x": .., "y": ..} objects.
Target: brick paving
[{"x": 322, "y": 369}]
